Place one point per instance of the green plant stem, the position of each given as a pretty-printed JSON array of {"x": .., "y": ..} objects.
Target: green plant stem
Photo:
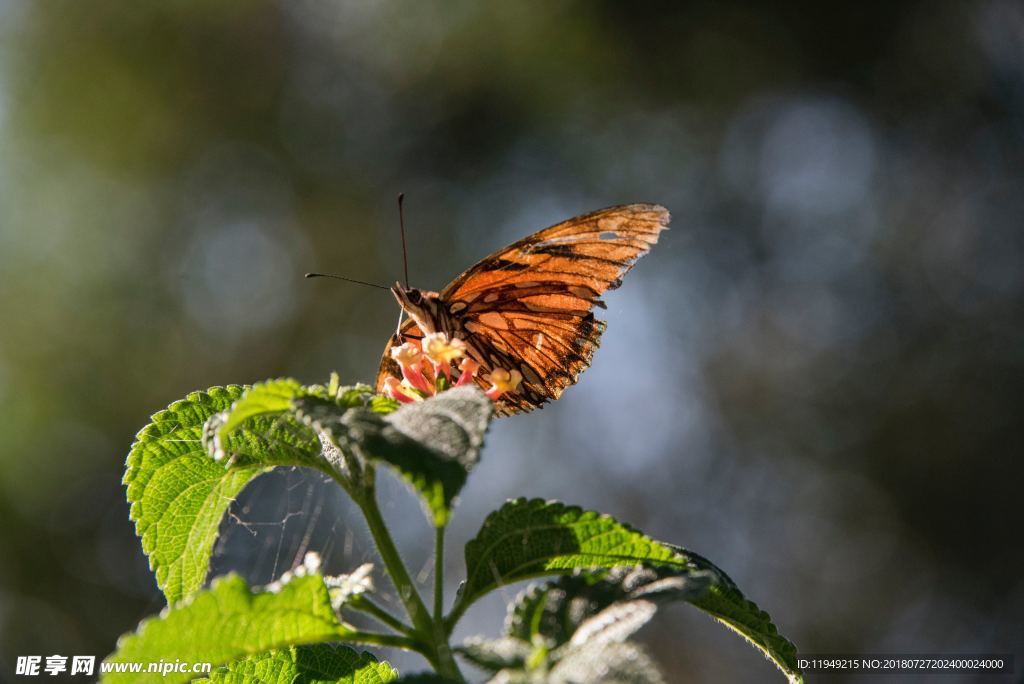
[
  {"x": 438, "y": 651},
  {"x": 414, "y": 606},
  {"x": 366, "y": 605},
  {"x": 439, "y": 576},
  {"x": 453, "y": 617},
  {"x": 391, "y": 640}
]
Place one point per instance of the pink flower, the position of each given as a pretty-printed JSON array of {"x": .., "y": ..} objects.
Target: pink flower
[
  {"x": 429, "y": 366},
  {"x": 410, "y": 358},
  {"x": 467, "y": 371},
  {"x": 399, "y": 392}
]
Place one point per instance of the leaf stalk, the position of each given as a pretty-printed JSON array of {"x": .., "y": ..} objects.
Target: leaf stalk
[{"x": 430, "y": 636}]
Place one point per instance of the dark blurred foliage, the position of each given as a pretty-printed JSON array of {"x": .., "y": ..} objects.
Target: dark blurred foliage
[{"x": 814, "y": 379}]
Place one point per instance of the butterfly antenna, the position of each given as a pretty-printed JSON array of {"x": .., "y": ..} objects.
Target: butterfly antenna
[
  {"x": 401, "y": 227},
  {"x": 405, "y": 259},
  {"x": 347, "y": 280}
]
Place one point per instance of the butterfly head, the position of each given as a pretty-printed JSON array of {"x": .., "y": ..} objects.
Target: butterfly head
[{"x": 423, "y": 306}]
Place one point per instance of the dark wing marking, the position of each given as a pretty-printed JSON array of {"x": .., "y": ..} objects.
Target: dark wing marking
[
  {"x": 593, "y": 250},
  {"x": 530, "y": 306}
]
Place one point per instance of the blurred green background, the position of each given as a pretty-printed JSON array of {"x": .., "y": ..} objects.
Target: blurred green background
[{"x": 815, "y": 378}]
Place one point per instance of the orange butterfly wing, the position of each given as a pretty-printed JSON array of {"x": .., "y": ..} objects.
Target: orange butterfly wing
[{"x": 530, "y": 305}]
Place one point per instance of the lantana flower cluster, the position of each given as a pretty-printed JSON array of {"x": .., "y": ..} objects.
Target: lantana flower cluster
[{"x": 435, "y": 363}]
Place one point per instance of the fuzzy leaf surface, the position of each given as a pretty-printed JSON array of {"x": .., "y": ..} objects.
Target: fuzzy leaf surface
[
  {"x": 271, "y": 397},
  {"x": 229, "y": 622},
  {"x": 314, "y": 664},
  {"x": 527, "y": 538},
  {"x": 614, "y": 663},
  {"x": 178, "y": 495},
  {"x": 493, "y": 655},
  {"x": 606, "y": 606},
  {"x": 433, "y": 444},
  {"x": 727, "y": 604},
  {"x": 553, "y": 611},
  {"x": 261, "y": 428}
]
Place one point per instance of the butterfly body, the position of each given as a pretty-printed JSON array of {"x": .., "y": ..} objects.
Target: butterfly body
[
  {"x": 529, "y": 307},
  {"x": 426, "y": 309}
]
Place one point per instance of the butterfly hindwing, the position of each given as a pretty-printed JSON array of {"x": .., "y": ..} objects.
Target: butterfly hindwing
[
  {"x": 388, "y": 366},
  {"x": 530, "y": 305}
]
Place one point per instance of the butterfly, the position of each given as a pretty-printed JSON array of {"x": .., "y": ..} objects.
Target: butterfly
[{"x": 530, "y": 306}]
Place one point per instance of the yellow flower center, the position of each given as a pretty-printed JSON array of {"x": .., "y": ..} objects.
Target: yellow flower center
[
  {"x": 505, "y": 381},
  {"x": 441, "y": 350}
]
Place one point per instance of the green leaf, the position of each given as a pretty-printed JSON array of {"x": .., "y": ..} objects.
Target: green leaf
[
  {"x": 552, "y": 612},
  {"x": 260, "y": 427},
  {"x": 432, "y": 444},
  {"x": 363, "y": 395},
  {"x": 178, "y": 495},
  {"x": 229, "y": 622},
  {"x": 616, "y": 663},
  {"x": 605, "y": 606},
  {"x": 271, "y": 397},
  {"x": 615, "y": 623},
  {"x": 527, "y": 538},
  {"x": 426, "y": 678},
  {"x": 384, "y": 405},
  {"x": 285, "y": 416},
  {"x": 314, "y": 664},
  {"x": 590, "y": 663},
  {"x": 505, "y": 653},
  {"x": 727, "y": 604}
]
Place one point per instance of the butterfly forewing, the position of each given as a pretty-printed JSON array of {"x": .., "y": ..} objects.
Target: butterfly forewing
[{"x": 530, "y": 306}]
